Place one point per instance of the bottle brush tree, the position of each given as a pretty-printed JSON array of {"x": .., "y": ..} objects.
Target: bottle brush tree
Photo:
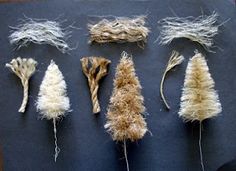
[
  {"x": 124, "y": 116},
  {"x": 52, "y": 101},
  {"x": 199, "y": 100}
]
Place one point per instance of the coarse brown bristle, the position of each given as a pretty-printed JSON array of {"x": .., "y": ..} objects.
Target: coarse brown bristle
[
  {"x": 119, "y": 30},
  {"x": 124, "y": 117}
]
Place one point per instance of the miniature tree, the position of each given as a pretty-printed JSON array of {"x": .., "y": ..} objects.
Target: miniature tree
[
  {"x": 124, "y": 117},
  {"x": 52, "y": 101},
  {"x": 199, "y": 100}
]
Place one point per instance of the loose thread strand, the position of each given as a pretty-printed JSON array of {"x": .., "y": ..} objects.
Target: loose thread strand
[
  {"x": 57, "y": 149},
  {"x": 126, "y": 158},
  {"x": 175, "y": 59},
  {"x": 200, "y": 146},
  {"x": 161, "y": 90}
]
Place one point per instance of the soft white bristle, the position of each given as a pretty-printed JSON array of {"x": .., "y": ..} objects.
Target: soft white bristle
[{"x": 40, "y": 32}]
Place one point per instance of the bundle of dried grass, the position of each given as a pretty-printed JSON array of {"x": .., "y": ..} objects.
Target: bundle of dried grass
[
  {"x": 94, "y": 68},
  {"x": 119, "y": 30},
  {"x": 199, "y": 100},
  {"x": 24, "y": 68},
  {"x": 201, "y": 29},
  {"x": 40, "y": 31},
  {"x": 124, "y": 117},
  {"x": 175, "y": 59},
  {"x": 52, "y": 101}
]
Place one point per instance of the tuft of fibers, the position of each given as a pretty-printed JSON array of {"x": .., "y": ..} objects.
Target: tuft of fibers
[
  {"x": 24, "y": 68},
  {"x": 52, "y": 102},
  {"x": 124, "y": 116},
  {"x": 201, "y": 29},
  {"x": 175, "y": 59},
  {"x": 40, "y": 32},
  {"x": 199, "y": 100},
  {"x": 119, "y": 30},
  {"x": 95, "y": 68}
]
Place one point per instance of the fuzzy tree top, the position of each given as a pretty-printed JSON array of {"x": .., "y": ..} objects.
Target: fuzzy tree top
[
  {"x": 52, "y": 99},
  {"x": 124, "y": 117},
  {"x": 199, "y": 100}
]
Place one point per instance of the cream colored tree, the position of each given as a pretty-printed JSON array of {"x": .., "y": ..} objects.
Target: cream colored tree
[
  {"x": 52, "y": 101},
  {"x": 199, "y": 100},
  {"x": 124, "y": 116}
]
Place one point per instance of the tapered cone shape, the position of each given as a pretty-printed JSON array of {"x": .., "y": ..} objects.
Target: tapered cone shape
[
  {"x": 124, "y": 117},
  {"x": 52, "y": 101},
  {"x": 199, "y": 100}
]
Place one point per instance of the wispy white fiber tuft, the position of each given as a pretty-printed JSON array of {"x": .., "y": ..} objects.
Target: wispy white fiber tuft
[
  {"x": 40, "y": 31},
  {"x": 52, "y": 101},
  {"x": 201, "y": 29}
]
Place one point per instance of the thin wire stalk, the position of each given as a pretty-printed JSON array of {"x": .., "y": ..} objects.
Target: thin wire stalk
[{"x": 200, "y": 146}]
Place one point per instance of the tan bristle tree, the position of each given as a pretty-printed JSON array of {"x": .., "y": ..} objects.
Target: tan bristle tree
[
  {"x": 124, "y": 116},
  {"x": 199, "y": 100}
]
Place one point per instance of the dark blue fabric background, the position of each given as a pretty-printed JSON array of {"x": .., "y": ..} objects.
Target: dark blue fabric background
[{"x": 28, "y": 143}]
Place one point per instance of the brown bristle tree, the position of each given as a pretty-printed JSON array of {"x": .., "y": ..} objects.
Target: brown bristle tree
[{"x": 124, "y": 117}]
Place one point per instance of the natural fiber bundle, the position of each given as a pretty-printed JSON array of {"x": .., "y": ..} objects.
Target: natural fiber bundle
[
  {"x": 52, "y": 101},
  {"x": 175, "y": 59},
  {"x": 40, "y": 32},
  {"x": 201, "y": 29},
  {"x": 98, "y": 69},
  {"x": 119, "y": 30},
  {"x": 24, "y": 69},
  {"x": 124, "y": 117},
  {"x": 199, "y": 100}
]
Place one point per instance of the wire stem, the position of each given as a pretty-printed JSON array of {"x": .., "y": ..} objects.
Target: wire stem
[
  {"x": 126, "y": 158},
  {"x": 200, "y": 146},
  {"x": 57, "y": 149}
]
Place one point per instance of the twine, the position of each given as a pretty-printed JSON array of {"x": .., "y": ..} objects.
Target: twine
[{"x": 97, "y": 70}]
